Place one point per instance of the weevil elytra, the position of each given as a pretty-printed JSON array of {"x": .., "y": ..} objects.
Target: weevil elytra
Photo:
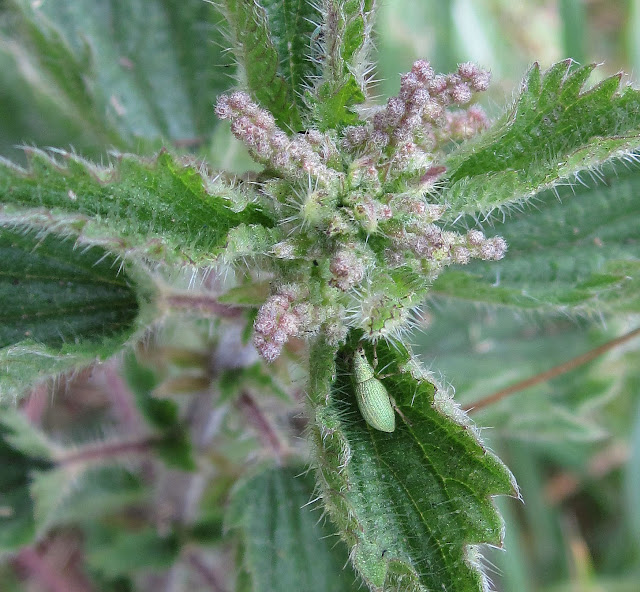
[{"x": 372, "y": 396}]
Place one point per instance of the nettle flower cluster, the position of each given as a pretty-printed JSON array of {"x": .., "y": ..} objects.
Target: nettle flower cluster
[{"x": 356, "y": 241}]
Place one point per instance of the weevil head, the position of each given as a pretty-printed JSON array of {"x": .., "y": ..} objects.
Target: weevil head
[{"x": 362, "y": 370}]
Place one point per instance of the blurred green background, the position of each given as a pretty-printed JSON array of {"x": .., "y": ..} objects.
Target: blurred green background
[{"x": 575, "y": 456}]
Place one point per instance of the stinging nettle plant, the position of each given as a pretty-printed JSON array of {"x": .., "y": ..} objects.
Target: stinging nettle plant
[{"x": 235, "y": 313}]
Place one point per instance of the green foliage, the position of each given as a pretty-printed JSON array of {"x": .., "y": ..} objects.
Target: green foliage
[
  {"x": 346, "y": 45},
  {"x": 285, "y": 544},
  {"x": 46, "y": 278},
  {"x": 482, "y": 352},
  {"x": 17, "y": 524},
  {"x": 633, "y": 480},
  {"x": 574, "y": 250},
  {"x": 263, "y": 38},
  {"x": 115, "y": 552},
  {"x": 139, "y": 63},
  {"x": 554, "y": 131},
  {"x": 164, "y": 208},
  {"x": 294, "y": 28},
  {"x": 62, "y": 306},
  {"x": 45, "y": 485},
  {"x": 172, "y": 443},
  {"x": 416, "y": 497}
]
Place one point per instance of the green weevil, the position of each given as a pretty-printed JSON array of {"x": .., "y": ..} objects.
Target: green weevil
[{"x": 372, "y": 396}]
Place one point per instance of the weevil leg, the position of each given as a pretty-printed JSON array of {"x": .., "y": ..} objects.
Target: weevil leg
[
  {"x": 397, "y": 410},
  {"x": 375, "y": 362}
]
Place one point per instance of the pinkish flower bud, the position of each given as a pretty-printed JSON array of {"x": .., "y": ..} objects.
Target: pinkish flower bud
[
  {"x": 380, "y": 121},
  {"x": 408, "y": 83},
  {"x": 477, "y": 114},
  {"x": 259, "y": 340},
  {"x": 432, "y": 110},
  {"x": 347, "y": 269},
  {"x": 475, "y": 238},
  {"x": 423, "y": 70},
  {"x": 467, "y": 69},
  {"x": 420, "y": 98},
  {"x": 402, "y": 134},
  {"x": 422, "y": 246},
  {"x": 433, "y": 234},
  {"x": 289, "y": 323},
  {"x": 282, "y": 302},
  {"x": 493, "y": 249},
  {"x": 269, "y": 350},
  {"x": 438, "y": 85},
  {"x": 461, "y": 255},
  {"x": 356, "y": 135},
  {"x": 304, "y": 312},
  {"x": 279, "y": 140},
  {"x": 239, "y": 100},
  {"x": 279, "y": 337},
  {"x": 413, "y": 122},
  {"x": 379, "y": 139},
  {"x": 395, "y": 107},
  {"x": 461, "y": 93},
  {"x": 481, "y": 81},
  {"x": 315, "y": 137},
  {"x": 223, "y": 108},
  {"x": 264, "y": 324}
]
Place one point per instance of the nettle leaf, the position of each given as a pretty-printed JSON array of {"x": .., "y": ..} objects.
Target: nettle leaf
[
  {"x": 415, "y": 503},
  {"x": 126, "y": 71},
  {"x": 284, "y": 544},
  {"x": 35, "y": 116},
  {"x": 44, "y": 484},
  {"x": 346, "y": 46},
  {"x": 65, "y": 495},
  {"x": 578, "y": 251},
  {"x": 295, "y": 29},
  {"x": 266, "y": 37},
  {"x": 61, "y": 306},
  {"x": 172, "y": 443},
  {"x": 21, "y": 452},
  {"x": 164, "y": 208},
  {"x": 39, "y": 489},
  {"x": 632, "y": 477},
  {"x": 554, "y": 131},
  {"x": 113, "y": 551},
  {"x": 23, "y": 436}
]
